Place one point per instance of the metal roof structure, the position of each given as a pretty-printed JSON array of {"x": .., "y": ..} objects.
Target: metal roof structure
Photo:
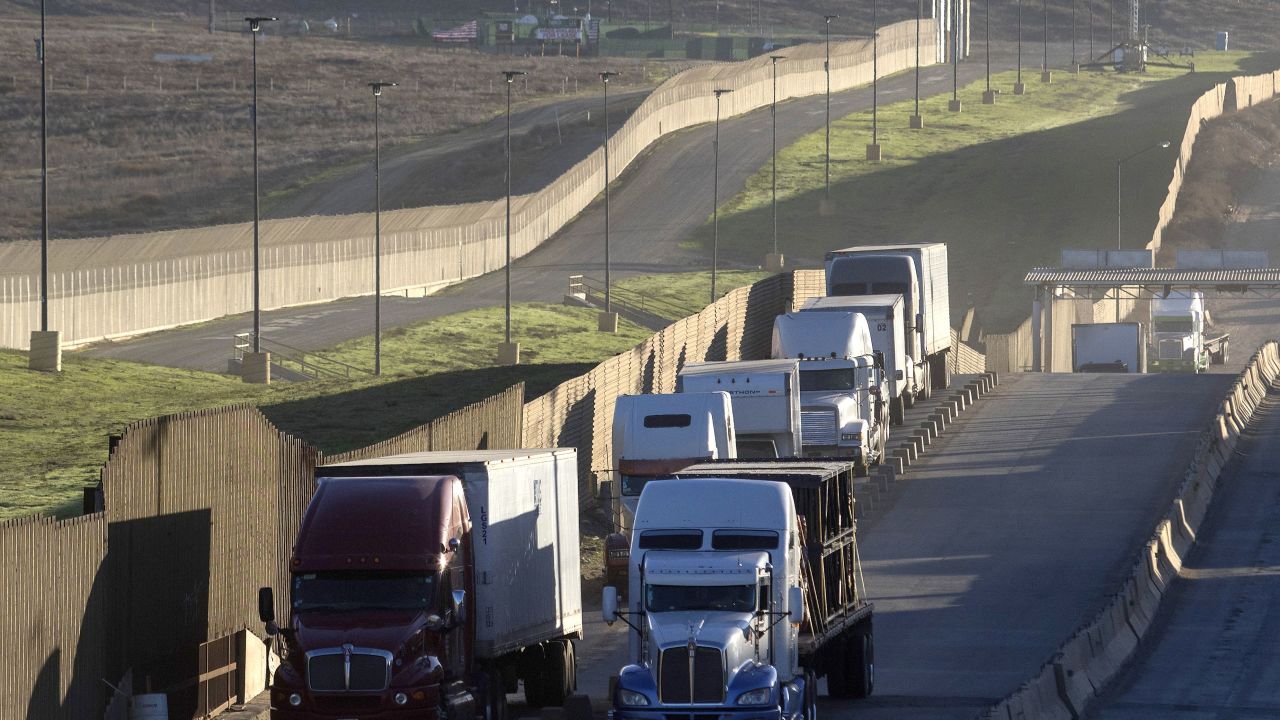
[{"x": 1136, "y": 282}]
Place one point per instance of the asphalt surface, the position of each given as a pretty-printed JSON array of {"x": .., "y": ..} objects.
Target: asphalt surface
[
  {"x": 661, "y": 200},
  {"x": 1012, "y": 530},
  {"x": 1212, "y": 653}
]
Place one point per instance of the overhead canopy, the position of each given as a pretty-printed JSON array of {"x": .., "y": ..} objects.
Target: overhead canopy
[{"x": 1237, "y": 282}]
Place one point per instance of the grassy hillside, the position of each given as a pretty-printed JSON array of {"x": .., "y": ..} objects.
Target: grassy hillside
[{"x": 1006, "y": 186}]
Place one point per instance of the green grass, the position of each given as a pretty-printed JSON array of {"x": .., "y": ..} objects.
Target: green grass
[
  {"x": 54, "y": 428},
  {"x": 1006, "y": 186},
  {"x": 679, "y": 294}
]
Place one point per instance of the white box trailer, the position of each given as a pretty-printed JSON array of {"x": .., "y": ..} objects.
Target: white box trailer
[
  {"x": 885, "y": 316},
  {"x": 524, "y": 515},
  {"x": 765, "y": 395},
  {"x": 1108, "y": 347},
  {"x": 880, "y": 270}
]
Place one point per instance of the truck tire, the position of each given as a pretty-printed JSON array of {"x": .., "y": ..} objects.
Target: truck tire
[
  {"x": 837, "y": 678},
  {"x": 533, "y": 662},
  {"x": 860, "y": 661},
  {"x": 556, "y": 675},
  {"x": 895, "y": 410},
  {"x": 495, "y": 705},
  {"x": 810, "y": 695},
  {"x": 940, "y": 370},
  {"x": 572, "y": 665}
]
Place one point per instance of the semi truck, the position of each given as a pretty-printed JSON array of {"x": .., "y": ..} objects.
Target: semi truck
[
  {"x": 401, "y": 588},
  {"x": 765, "y": 395},
  {"x": 918, "y": 272},
  {"x": 653, "y": 436},
  {"x": 1179, "y": 341},
  {"x": 737, "y": 609},
  {"x": 1108, "y": 348},
  {"x": 842, "y": 384},
  {"x": 885, "y": 315}
]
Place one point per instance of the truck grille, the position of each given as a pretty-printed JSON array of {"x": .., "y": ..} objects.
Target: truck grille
[
  {"x": 348, "y": 670},
  {"x": 818, "y": 427},
  {"x": 1171, "y": 349},
  {"x": 708, "y": 676}
]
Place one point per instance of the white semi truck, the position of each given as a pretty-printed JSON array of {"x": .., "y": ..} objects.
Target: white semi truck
[
  {"x": 745, "y": 589},
  {"x": 917, "y": 272},
  {"x": 885, "y": 315},
  {"x": 654, "y": 436},
  {"x": 1108, "y": 348},
  {"x": 766, "y": 401},
  {"x": 842, "y": 384},
  {"x": 1179, "y": 340}
]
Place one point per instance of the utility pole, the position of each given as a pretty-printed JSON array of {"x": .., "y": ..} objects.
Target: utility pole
[
  {"x": 377, "y": 230},
  {"x": 774, "y": 262},
  {"x": 917, "y": 121},
  {"x": 826, "y": 67},
  {"x": 509, "y": 353},
  {"x": 608, "y": 322},
  {"x": 873, "y": 150},
  {"x": 715, "y": 202},
  {"x": 260, "y": 366}
]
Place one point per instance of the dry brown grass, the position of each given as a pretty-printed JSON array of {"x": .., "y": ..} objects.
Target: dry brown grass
[{"x": 138, "y": 144}]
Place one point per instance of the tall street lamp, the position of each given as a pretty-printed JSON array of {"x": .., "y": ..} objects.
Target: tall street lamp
[
  {"x": 260, "y": 363},
  {"x": 1018, "y": 87},
  {"x": 917, "y": 121},
  {"x": 1046, "y": 75},
  {"x": 1075, "y": 64},
  {"x": 774, "y": 262},
  {"x": 508, "y": 352},
  {"x": 988, "y": 95},
  {"x": 1092, "y": 57},
  {"x": 377, "y": 230},
  {"x": 45, "y": 351},
  {"x": 608, "y": 322},
  {"x": 826, "y": 68},
  {"x": 1119, "y": 163},
  {"x": 955, "y": 104},
  {"x": 715, "y": 202},
  {"x": 873, "y": 150}
]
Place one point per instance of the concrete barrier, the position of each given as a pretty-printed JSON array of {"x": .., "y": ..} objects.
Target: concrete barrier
[{"x": 1091, "y": 658}]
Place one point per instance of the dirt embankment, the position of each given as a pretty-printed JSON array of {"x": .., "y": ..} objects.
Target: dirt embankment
[{"x": 1231, "y": 154}]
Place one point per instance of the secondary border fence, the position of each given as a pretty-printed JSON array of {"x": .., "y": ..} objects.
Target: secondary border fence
[
  {"x": 129, "y": 284},
  {"x": 201, "y": 509},
  {"x": 1011, "y": 352}
]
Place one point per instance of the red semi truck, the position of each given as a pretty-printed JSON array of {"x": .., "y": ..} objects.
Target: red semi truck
[{"x": 429, "y": 585}]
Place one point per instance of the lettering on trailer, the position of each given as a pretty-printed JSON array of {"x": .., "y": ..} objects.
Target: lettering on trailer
[
  {"x": 484, "y": 524},
  {"x": 882, "y": 327}
]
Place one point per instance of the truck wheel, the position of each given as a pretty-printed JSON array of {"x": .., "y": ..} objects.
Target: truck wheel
[
  {"x": 860, "y": 661},
  {"x": 495, "y": 706},
  {"x": 810, "y": 695},
  {"x": 555, "y": 675},
  {"x": 895, "y": 410},
  {"x": 532, "y": 671},
  {"x": 572, "y": 666},
  {"x": 837, "y": 679}
]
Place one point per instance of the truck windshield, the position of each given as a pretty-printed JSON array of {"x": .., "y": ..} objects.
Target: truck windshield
[
  {"x": 685, "y": 598},
  {"x": 1178, "y": 326},
  {"x": 826, "y": 380},
  {"x": 363, "y": 590},
  {"x": 872, "y": 288}
]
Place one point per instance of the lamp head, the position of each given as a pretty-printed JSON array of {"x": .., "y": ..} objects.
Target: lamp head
[
  {"x": 608, "y": 74},
  {"x": 511, "y": 75},
  {"x": 377, "y": 87},
  {"x": 776, "y": 58},
  {"x": 829, "y": 18},
  {"x": 255, "y": 23},
  {"x": 1164, "y": 144},
  {"x": 721, "y": 91}
]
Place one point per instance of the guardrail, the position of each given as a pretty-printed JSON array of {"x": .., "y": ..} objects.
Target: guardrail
[
  {"x": 623, "y": 300},
  {"x": 307, "y": 362}
]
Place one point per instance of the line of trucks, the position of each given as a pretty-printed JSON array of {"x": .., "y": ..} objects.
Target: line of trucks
[
  {"x": 431, "y": 585},
  {"x": 1177, "y": 339}
]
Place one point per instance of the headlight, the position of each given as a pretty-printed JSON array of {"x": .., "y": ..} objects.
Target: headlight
[
  {"x": 295, "y": 699},
  {"x": 756, "y": 697},
  {"x": 401, "y": 698},
  {"x": 630, "y": 698}
]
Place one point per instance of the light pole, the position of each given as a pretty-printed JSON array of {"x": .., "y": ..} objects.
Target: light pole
[
  {"x": 255, "y": 27},
  {"x": 873, "y": 150},
  {"x": 509, "y": 353},
  {"x": 608, "y": 321},
  {"x": 988, "y": 95},
  {"x": 955, "y": 104},
  {"x": 715, "y": 202},
  {"x": 1092, "y": 57},
  {"x": 1046, "y": 75},
  {"x": 1018, "y": 87},
  {"x": 826, "y": 67},
  {"x": 44, "y": 183},
  {"x": 1075, "y": 64},
  {"x": 917, "y": 121},
  {"x": 774, "y": 262},
  {"x": 1119, "y": 163},
  {"x": 377, "y": 230}
]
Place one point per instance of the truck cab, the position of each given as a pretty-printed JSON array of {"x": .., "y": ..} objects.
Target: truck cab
[
  {"x": 843, "y": 389},
  {"x": 654, "y": 436},
  {"x": 766, "y": 402},
  {"x": 1178, "y": 334},
  {"x": 885, "y": 315},
  {"x": 715, "y": 603}
]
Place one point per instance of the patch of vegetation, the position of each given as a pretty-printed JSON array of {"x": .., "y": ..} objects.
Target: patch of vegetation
[
  {"x": 54, "y": 428},
  {"x": 677, "y": 295}
]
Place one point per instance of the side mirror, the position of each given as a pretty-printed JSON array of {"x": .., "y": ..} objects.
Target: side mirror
[
  {"x": 266, "y": 605},
  {"x": 459, "y": 605},
  {"x": 454, "y": 544},
  {"x": 609, "y": 605},
  {"x": 795, "y": 605},
  {"x": 272, "y": 628}
]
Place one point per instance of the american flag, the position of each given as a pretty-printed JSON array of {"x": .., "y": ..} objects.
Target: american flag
[{"x": 465, "y": 32}]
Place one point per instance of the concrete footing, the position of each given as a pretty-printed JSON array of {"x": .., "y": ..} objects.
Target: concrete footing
[
  {"x": 46, "y": 351},
  {"x": 774, "y": 262},
  {"x": 605, "y": 322},
  {"x": 1046, "y": 77},
  {"x": 255, "y": 368},
  {"x": 989, "y": 97},
  {"x": 509, "y": 353},
  {"x": 1019, "y": 88},
  {"x": 825, "y": 207},
  {"x": 917, "y": 122},
  {"x": 873, "y": 152},
  {"x": 954, "y": 105}
]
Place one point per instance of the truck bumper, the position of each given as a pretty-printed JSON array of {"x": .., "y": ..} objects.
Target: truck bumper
[
  {"x": 406, "y": 714},
  {"x": 695, "y": 713}
]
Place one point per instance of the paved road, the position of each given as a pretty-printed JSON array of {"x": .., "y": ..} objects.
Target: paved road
[
  {"x": 1212, "y": 654},
  {"x": 661, "y": 201}
]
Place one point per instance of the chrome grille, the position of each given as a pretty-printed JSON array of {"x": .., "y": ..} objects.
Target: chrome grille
[
  {"x": 818, "y": 427},
  {"x": 707, "y": 676},
  {"x": 1171, "y": 349},
  {"x": 348, "y": 669}
]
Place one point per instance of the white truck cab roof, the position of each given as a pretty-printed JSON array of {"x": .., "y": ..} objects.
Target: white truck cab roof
[{"x": 714, "y": 503}]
